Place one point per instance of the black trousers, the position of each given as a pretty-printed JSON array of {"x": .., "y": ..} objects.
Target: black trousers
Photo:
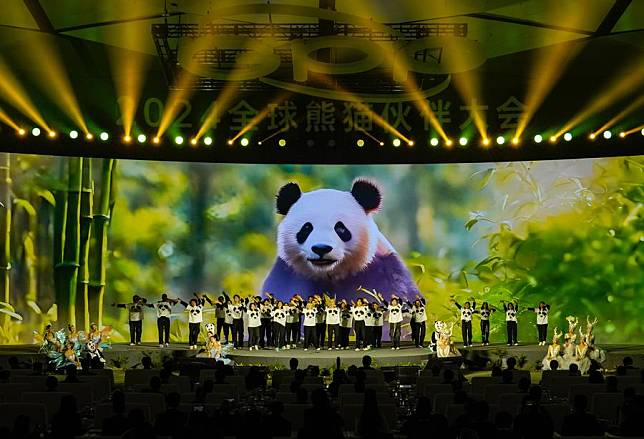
[
  {"x": 320, "y": 333},
  {"x": 543, "y": 332},
  {"x": 193, "y": 333},
  {"x": 377, "y": 336},
  {"x": 238, "y": 333},
  {"x": 310, "y": 336},
  {"x": 344, "y": 336},
  {"x": 278, "y": 332},
  {"x": 512, "y": 332},
  {"x": 360, "y": 333},
  {"x": 265, "y": 333},
  {"x": 368, "y": 335},
  {"x": 253, "y": 336},
  {"x": 394, "y": 334},
  {"x": 485, "y": 331},
  {"x": 221, "y": 327},
  {"x": 414, "y": 329},
  {"x": 163, "y": 326},
  {"x": 292, "y": 329},
  {"x": 466, "y": 332},
  {"x": 333, "y": 336},
  {"x": 136, "y": 329},
  {"x": 420, "y": 334}
]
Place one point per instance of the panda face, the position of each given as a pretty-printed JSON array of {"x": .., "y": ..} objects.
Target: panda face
[
  {"x": 328, "y": 232},
  {"x": 210, "y": 328}
]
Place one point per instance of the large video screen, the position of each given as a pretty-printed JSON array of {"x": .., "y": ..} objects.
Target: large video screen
[{"x": 569, "y": 233}]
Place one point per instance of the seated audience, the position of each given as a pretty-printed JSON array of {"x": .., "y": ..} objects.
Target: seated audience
[
  {"x": 274, "y": 423},
  {"x": 579, "y": 422},
  {"x": 67, "y": 422},
  {"x": 172, "y": 421},
  {"x": 423, "y": 423}
]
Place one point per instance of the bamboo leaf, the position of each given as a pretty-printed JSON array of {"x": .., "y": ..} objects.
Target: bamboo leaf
[
  {"x": 33, "y": 305},
  {"x": 11, "y": 314},
  {"x": 26, "y": 205},
  {"x": 47, "y": 196},
  {"x": 7, "y": 305},
  {"x": 471, "y": 223}
]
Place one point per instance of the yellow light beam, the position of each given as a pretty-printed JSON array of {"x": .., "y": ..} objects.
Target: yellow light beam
[
  {"x": 265, "y": 139},
  {"x": 4, "y": 117},
  {"x": 634, "y": 130},
  {"x": 16, "y": 96},
  {"x": 625, "y": 84},
  {"x": 259, "y": 117},
  {"x": 621, "y": 115}
]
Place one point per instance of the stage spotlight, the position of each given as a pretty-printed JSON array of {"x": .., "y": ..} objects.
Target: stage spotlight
[
  {"x": 410, "y": 143},
  {"x": 73, "y": 134},
  {"x": 244, "y": 142},
  {"x": 104, "y": 136},
  {"x": 486, "y": 142},
  {"x": 127, "y": 139},
  {"x": 259, "y": 142},
  {"x": 462, "y": 141},
  {"x": 433, "y": 141},
  {"x": 89, "y": 136},
  {"x": 592, "y": 136},
  {"x": 141, "y": 138},
  {"x": 642, "y": 132},
  {"x": 607, "y": 134},
  {"x": 567, "y": 137},
  {"x": 515, "y": 141},
  {"x": 448, "y": 142},
  {"x": 156, "y": 140},
  {"x": 52, "y": 134},
  {"x": 383, "y": 143},
  {"x": 396, "y": 143},
  {"x": 230, "y": 142},
  {"x": 21, "y": 132},
  {"x": 281, "y": 142},
  {"x": 35, "y": 132},
  {"x": 553, "y": 139},
  {"x": 360, "y": 143},
  {"x": 622, "y": 134},
  {"x": 500, "y": 140},
  {"x": 539, "y": 138},
  {"x": 178, "y": 140},
  {"x": 193, "y": 141},
  {"x": 207, "y": 141}
]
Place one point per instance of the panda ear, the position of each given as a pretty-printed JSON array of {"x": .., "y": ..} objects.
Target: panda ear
[
  {"x": 367, "y": 194},
  {"x": 287, "y": 196}
]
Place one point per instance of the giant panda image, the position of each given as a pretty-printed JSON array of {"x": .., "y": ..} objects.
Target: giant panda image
[{"x": 328, "y": 242}]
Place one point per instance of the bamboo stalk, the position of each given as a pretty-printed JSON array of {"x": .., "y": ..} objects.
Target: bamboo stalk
[
  {"x": 5, "y": 227},
  {"x": 86, "y": 217},
  {"x": 60, "y": 225}
]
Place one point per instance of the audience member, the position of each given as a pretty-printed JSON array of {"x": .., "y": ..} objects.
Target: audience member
[
  {"x": 116, "y": 424},
  {"x": 371, "y": 423},
  {"x": 172, "y": 421},
  {"x": 146, "y": 362},
  {"x": 595, "y": 377},
  {"x": 533, "y": 422},
  {"x": 554, "y": 365},
  {"x": 331, "y": 426},
  {"x": 366, "y": 362},
  {"x": 274, "y": 423},
  {"x": 511, "y": 363},
  {"x": 573, "y": 370},
  {"x": 51, "y": 383},
  {"x": 293, "y": 364},
  {"x": 628, "y": 363},
  {"x": 71, "y": 374},
  {"x": 579, "y": 422},
  {"x": 67, "y": 422},
  {"x": 138, "y": 427},
  {"x": 611, "y": 384},
  {"x": 423, "y": 423},
  {"x": 154, "y": 386}
]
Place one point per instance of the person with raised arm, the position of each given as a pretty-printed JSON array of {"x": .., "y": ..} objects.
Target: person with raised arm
[
  {"x": 467, "y": 311},
  {"x": 542, "y": 312},
  {"x": 511, "y": 310},
  {"x": 485, "y": 312},
  {"x": 164, "y": 310},
  {"x": 419, "y": 317},
  {"x": 135, "y": 315},
  {"x": 195, "y": 317},
  {"x": 395, "y": 312}
]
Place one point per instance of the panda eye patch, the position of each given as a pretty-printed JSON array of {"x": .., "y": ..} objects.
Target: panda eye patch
[
  {"x": 342, "y": 231},
  {"x": 304, "y": 233}
]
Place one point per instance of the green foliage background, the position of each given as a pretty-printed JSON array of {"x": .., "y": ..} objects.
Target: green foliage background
[{"x": 567, "y": 232}]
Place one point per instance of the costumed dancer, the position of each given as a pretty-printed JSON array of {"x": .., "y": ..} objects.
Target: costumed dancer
[
  {"x": 582, "y": 353},
  {"x": 467, "y": 311},
  {"x": 419, "y": 317},
  {"x": 595, "y": 354},
  {"x": 254, "y": 323},
  {"x": 394, "y": 317},
  {"x": 378, "y": 316},
  {"x": 542, "y": 321},
  {"x": 237, "y": 309},
  {"x": 332, "y": 323},
  {"x": 310, "y": 326},
  {"x": 293, "y": 321},
  {"x": 213, "y": 348},
  {"x": 265, "y": 332},
  {"x": 359, "y": 312},
  {"x": 195, "y": 317},
  {"x": 164, "y": 310},
  {"x": 320, "y": 321},
  {"x": 369, "y": 323},
  {"x": 135, "y": 310},
  {"x": 279, "y": 315},
  {"x": 444, "y": 342},
  {"x": 346, "y": 323},
  {"x": 569, "y": 349},
  {"x": 433, "y": 339},
  {"x": 97, "y": 341},
  {"x": 485, "y": 312},
  {"x": 223, "y": 327},
  {"x": 554, "y": 351},
  {"x": 511, "y": 309}
]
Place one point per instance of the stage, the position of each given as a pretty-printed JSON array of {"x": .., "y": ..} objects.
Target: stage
[{"x": 123, "y": 356}]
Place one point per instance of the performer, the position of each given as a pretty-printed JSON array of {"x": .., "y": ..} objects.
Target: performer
[
  {"x": 320, "y": 321},
  {"x": 419, "y": 317},
  {"x": 569, "y": 349},
  {"x": 378, "y": 321},
  {"x": 394, "y": 317},
  {"x": 220, "y": 315},
  {"x": 595, "y": 353},
  {"x": 582, "y": 353},
  {"x": 332, "y": 323},
  {"x": 195, "y": 317},
  {"x": 444, "y": 342},
  {"x": 346, "y": 323},
  {"x": 511, "y": 309},
  {"x": 254, "y": 323},
  {"x": 164, "y": 309},
  {"x": 369, "y": 323},
  {"x": 542, "y": 321},
  {"x": 310, "y": 325},
  {"x": 467, "y": 311},
  {"x": 554, "y": 351},
  {"x": 293, "y": 321},
  {"x": 135, "y": 317},
  {"x": 237, "y": 309},
  {"x": 279, "y": 314},
  {"x": 359, "y": 312},
  {"x": 265, "y": 334},
  {"x": 433, "y": 339},
  {"x": 485, "y": 312}
]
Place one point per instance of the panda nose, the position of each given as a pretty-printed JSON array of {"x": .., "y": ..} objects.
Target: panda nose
[{"x": 321, "y": 249}]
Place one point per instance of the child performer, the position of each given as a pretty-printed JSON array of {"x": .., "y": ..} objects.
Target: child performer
[
  {"x": 164, "y": 309},
  {"x": 359, "y": 312},
  {"x": 542, "y": 321},
  {"x": 195, "y": 317},
  {"x": 310, "y": 326},
  {"x": 265, "y": 333},
  {"x": 346, "y": 323},
  {"x": 333, "y": 324},
  {"x": 135, "y": 317},
  {"x": 511, "y": 310},
  {"x": 254, "y": 322},
  {"x": 395, "y": 318},
  {"x": 420, "y": 317},
  {"x": 278, "y": 315},
  {"x": 485, "y": 312},
  {"x": 466, "y": 321}
]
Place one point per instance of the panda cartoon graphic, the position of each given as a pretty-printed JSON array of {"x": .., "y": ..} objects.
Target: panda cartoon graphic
[{"x": 329, "y": 242}]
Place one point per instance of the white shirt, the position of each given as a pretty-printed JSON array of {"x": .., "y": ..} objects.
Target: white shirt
[
  {"x": 254, "y": 318},
  {"x": 195, "y": 314},
  {"x": 466, "y": 314},
  {"x": 369, "y": 319},
  {"x": 378, "y": 317},
  {"x": 236, "y": 310},
  {"x": 332, "y": 316},
  {"x": 279, "y": 315},
  {"x": 346, "y": 318},
  {"x": 510, "y": 315},
  {"x": 164, "y": 308},
  {"x": 228, "y": 315},
  {"x": 542, "y": 315},
  {"x": 485, "y": 313},
  {"x": 359, "y": 313},
  {"x": 419, "y": 313},
  {"x": 310, "y": 315},
  {"x": 395, "y": 313},
  {"x": 135, "y": 312}
]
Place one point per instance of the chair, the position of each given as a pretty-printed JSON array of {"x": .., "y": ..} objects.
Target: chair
[
  {"x": 585, "y": 389},
  {"x": 557, "y": 413},
  {"x": 139, "y": 376},
  {"x": 517, "y": 374},
  {"x": 511, "y": 402},
  {"x": 492, "y": 391},
  {"x": 433, "y": 389},
  {"x": 36, "y": 381},
  {"x": 282, "y": 376},
  {"x": 101, "y": 385},
  {"x": 37, "y": 413},
  {"x": 314, "y": 380},
  {"x": 286, "y": 397},
  {"x": 351, "y": 414},
  {"x": 182, "y": 382},
  {"x": 294, "y": 413},
  {"x": 560, "y": 386},
  {"x": 358, "y": 398},
  {"x": 192, "y": 407},
  {"x": 480, "y": 383},
  {"x": 82, "y": 391},
  {"x": 423, "y": 380},
  {"x": 165, "y": 388},
  {"x": 12, "y": 391},
  {"x": 548, "y": 375},
  {"x": 156, "y": 401},
  {"x": 51, "y": 400},
  {"x": 454, "y": 411},
  {"x": 441, "y": 401},
  {"x": 606, "y": 406},
  {"x": 104, "y": 410},
  {"x": 230, "y": 390},
  {"x": 350, "y": 388}
]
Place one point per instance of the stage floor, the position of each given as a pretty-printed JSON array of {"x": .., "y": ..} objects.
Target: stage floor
[{"x": 125, "y": 356}]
